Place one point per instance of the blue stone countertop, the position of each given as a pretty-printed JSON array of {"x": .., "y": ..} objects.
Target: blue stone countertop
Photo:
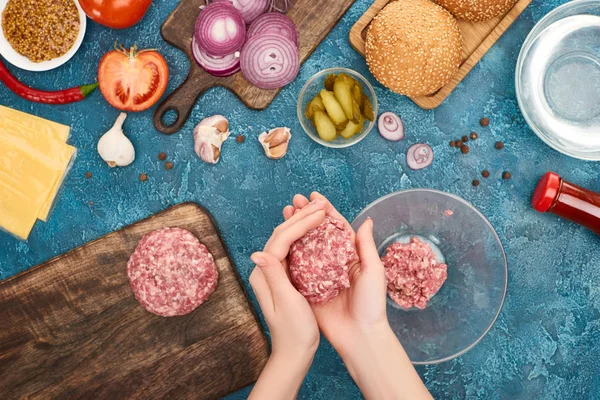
[{"x": 546, "y": 342}]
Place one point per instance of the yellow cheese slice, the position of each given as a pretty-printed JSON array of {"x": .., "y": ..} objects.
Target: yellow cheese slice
[
  {"x": 53, "y": 153},
  {"x": 38, "y": 124},
  {"x": 17, "y": 213}
]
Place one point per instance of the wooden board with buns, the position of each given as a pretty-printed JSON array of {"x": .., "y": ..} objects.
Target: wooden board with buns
[
  {"x": 72, "y": 328},
  {"x": 478, "y": 38}
]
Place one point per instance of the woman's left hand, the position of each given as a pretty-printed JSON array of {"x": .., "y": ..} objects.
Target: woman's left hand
[{"x": 294, "y": 330}]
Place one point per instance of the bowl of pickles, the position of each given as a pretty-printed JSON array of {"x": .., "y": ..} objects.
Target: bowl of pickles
[{"x": 337, "y": 107}]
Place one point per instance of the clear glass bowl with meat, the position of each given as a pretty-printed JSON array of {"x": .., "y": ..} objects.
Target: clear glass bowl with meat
[{"x": 422, "y": 235}]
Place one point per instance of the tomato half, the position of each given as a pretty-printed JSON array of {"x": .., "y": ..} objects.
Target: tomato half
[
  {"x": 133, "y": 80},
  {"x": 117, "y": 14}
]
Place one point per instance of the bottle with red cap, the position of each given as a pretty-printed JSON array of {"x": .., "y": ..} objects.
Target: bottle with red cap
[{"x": 554, "y": 194}]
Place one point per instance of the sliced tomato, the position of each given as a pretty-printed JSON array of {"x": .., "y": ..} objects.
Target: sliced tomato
[{"x": 133, "y": 80}]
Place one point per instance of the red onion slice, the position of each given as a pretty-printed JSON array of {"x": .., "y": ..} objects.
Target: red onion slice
[
  {"x": 274, "y": 22},
  {"x": 281, "y": 6},
  {"x": 419, "y": 156},
  {"x": 220, "y": 29},
  {"x": 217, "y": 66},
  {"x": 390, "y": 126},
  {"x": 270, "y": 61},
  {"x": 250, "y": 9}
]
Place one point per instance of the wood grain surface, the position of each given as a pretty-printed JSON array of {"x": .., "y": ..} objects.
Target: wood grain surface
[
  {"x": 314, "y": 23},
  {"x": 72, "y": 329},
  {"x": 478, "y": 38}
]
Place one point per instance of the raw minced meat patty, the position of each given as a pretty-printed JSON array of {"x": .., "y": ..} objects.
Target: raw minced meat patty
[
  {"x": 413, "y": 273},
  {"x": 320, "y": 261},
  {"x": 171, "y": 273}
]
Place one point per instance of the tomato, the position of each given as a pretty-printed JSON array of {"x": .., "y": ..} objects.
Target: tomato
[
  {"x": 133, "y": 80},
  {"x": 117, "y": 14}
]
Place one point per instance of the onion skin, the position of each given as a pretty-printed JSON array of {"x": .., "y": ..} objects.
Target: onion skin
[
  {"x": 220, "y": 18},
  {"x": 419, "y": 156},
  {"x": 270, "y": 61},
  {"x": 274, "y": 22},
  {"x": 391, "y": 126},
  {"x": 220, "y": 67}
]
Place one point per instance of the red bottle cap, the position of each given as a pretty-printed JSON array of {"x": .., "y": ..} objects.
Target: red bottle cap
[{"x": 546, "y": 192}]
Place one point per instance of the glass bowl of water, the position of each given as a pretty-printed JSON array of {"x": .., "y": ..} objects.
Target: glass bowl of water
[
  {"x": 469, "y": 302},
  {"x": 558, "y": 79}
]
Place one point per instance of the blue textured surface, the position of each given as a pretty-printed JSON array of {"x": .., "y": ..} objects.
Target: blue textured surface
[{"x": 546, "y": 343}]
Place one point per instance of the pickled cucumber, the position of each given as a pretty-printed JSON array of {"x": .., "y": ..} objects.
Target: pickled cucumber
[
  {"x": 333, "y": 108},
  {"x": 367, "y": 108},
  {"x": 329, "y": 81},
  {"x": 315, "y": 104},
  {"x": 325, "y": 127},
  {"x": 343, "y": 94},
  {"x": 357, "y": 93},
  {"x": 357, "y": 114},
  {"x": 352, "y": 129},
  {"x": 348, "y": 79}
]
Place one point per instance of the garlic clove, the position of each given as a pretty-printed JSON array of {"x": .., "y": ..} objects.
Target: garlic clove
[
  {"x": 208, "y": 141},
  {"x": 276, "y": 142},
  {"x": 114, "y": 147},
  {"x": 217, "y": 121}
]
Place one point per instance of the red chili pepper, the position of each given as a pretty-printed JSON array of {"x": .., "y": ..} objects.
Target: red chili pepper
[{"x": 40, "y": 96}]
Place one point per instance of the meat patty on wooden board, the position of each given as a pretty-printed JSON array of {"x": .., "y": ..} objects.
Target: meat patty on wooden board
[
  {"x": 171, "y": 273},
  {"x": 320, "y": 261},
  {"x": 413, "y": 273}
]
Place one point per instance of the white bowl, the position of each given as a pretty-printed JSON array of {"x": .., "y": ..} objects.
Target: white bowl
[{"x": 25, "y": 63}]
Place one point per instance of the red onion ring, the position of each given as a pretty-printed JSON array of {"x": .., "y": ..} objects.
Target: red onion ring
[
  {"x": 250, "y": 9},
  {"x": 270, "y": 61},
  {"x": 217, "y": 66},
  {"x": 220, "y": 29},
  {"x": 419, "y": 156},
  {"x": 274, "y": 22},
  {"x": 281, "y": 6},
  {"x": 390, "y": 126}
]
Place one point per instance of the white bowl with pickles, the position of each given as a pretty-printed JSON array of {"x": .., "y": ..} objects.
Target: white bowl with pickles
[{"x": 337, "y": 107}]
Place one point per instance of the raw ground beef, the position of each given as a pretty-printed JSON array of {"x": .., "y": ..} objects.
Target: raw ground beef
[
  {"x": 413, "y": 274},
  {"x": 171, "y": 273},
  {"x": 320, "y": 261}
]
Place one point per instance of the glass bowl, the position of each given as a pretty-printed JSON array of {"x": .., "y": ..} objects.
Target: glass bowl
[
  {"x": 313, "y": 87},
  {"x": 558, "y": 79},
  {"x": 469, "y": 302}
]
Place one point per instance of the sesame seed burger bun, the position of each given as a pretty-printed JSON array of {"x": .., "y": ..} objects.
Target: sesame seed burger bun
[
  {"x": 413, "y": 47},
  {"x": 477, "y": 10}
]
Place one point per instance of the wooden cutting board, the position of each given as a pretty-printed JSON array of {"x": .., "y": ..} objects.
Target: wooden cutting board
[
  {"x": 314, "y": 20},
  {"x": 478, "y": 38},
  {"x": 72, "y": 329}
]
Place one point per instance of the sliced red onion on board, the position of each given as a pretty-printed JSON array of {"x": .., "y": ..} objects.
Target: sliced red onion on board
[
  {"x": 390, "y": 126},
  {"x": 270, "y": 61},
  {"x": 419, "y": 156},
  {"x": 217, "y": 66},
  {"x": 281, "y": 6},
  {"x": 250, "y": 9},
  {"x": 274, "y": 22},
  {"x": 220, "y": 29}
]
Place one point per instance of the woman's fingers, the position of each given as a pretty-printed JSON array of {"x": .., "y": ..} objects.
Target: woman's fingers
[
  {"x": 367, "y": 250},
  {"x": 261, "y": 290},
  {"x": 275, "y": 275},
  {"x": 284, "y": 236},
  {"x": 296, "y": 216},
  {"x": 330, "y": 209},
  {"x": 288, "y": 212},
  {"x": 300, "y": 201}
]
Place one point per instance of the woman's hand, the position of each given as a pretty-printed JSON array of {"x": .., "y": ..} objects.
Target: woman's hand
[
  {"x": 356, "y": 323},
  {"x": 360, "y": 309},
  {"x": 293, "y": 327}
]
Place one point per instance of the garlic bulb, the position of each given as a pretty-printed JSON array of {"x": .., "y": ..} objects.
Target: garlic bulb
[
  {"x": 114, "y": 147},
  {"x": 209, "y": 136}
]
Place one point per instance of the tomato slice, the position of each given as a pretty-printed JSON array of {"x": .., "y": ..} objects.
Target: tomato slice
[{"x": 133, "y": 80}]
